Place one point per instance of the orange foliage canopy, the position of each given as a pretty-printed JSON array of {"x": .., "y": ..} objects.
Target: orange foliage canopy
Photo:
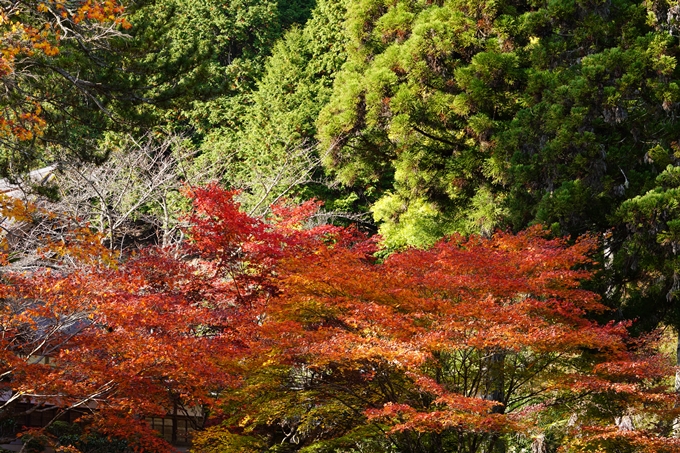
[
  {"x": 163, "y": 330},
  {"x": 294, "y": 334},
  {"x": 465, "y": 342}
]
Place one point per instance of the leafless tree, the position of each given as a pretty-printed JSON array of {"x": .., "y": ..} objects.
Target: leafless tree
[{"x": 133, "y": 199}]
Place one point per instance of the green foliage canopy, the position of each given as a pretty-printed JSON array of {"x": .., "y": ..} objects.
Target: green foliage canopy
[
  {"x": 483, "y": 114},
  {"x": 272, "y": 153}
]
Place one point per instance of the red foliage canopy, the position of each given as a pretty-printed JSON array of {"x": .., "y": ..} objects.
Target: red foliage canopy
[{"x": 288, "y": 333}]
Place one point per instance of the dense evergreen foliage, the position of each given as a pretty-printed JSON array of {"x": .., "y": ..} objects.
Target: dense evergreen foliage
[
  {"x": 274, "y": 152},
  {"x": 493, "y": 114}
]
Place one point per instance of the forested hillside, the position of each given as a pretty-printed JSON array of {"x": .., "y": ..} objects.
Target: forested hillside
[{"x": 343, "y": 225}]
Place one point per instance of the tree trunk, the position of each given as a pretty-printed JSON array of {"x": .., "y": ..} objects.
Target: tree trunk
[
  {"x": 539, "y": 445},
  {"x": 495, "y": 391},
  {"x": 677, "y": 362},
  {"x": 174, "y": 424},
  {"x": 676, "y": 422}
]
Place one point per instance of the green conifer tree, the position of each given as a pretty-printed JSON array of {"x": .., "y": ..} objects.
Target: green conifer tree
[
  {"x": 273, "y": 153},
  {"x": 479, "y": 115}
]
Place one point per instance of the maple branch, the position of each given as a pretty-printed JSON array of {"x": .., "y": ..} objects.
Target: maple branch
[
  {"x": 11, "y": 399},
  {"x": 360, "y": 414},
  {"x": 518, "y": 384},
  {"x": 104, "y": 388}
]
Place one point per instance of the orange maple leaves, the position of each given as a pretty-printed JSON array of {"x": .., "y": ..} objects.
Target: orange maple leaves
[
  {"x": 473, "y": 338},
  {"x": 473, "y": 330},
  {"x": 34, "y": 31},
  {"x": 149, "y": 334}
]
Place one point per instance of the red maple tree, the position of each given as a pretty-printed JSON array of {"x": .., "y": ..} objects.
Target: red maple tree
[
  {"x": 454, "y": 348},
  {"x": 276, "y": 333},
  {"x": 162, "y": 331}
]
